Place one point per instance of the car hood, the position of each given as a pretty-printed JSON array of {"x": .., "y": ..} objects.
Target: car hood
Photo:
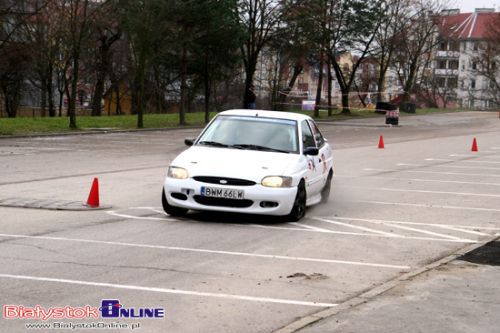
[{"x": 234, "y": 163}]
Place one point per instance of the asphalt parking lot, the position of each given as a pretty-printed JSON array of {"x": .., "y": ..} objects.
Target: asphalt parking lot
[{"x": 380, "y": 256}]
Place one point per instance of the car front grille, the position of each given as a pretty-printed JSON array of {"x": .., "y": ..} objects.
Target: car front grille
[
  {"x": 223, "y": 202},
  {"x": 224, "y": 181}
]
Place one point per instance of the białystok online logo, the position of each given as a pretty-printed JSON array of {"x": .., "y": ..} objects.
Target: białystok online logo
[{"x": 110, "y": 308}]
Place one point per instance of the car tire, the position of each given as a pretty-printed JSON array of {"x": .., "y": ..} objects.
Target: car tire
[
  {"x": 325, "y": 192},
  {"x": 299, "y": 205},
  {"x": 169, "y": 209}
]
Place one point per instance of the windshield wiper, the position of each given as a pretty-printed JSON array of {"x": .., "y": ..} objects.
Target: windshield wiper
[
  {"x": 257, "y": 147},
  {"x": 213, "y": 143}
]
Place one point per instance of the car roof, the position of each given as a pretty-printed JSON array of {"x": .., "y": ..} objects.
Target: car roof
[{"x": 266, "y": 114}]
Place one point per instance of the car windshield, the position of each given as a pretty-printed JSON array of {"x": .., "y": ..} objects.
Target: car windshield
[{"x": 255, "y": 133}]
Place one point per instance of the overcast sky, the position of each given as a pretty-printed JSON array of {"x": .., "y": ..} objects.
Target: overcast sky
[{"x": 469, "y": 5}]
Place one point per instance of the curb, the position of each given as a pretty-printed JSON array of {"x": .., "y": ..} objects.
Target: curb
[
  {"x": 366, "y": 296},
  {"x": 49, "y": 204},
  {"x": 94, "y": 132}
]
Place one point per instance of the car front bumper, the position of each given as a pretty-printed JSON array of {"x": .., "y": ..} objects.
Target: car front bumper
[{"x": 257, "y": 198}]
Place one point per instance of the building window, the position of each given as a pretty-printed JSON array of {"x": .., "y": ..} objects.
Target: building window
[
  {"x": 442, "y": 64},
  {"x": 475, "y": 46},
  {"x": 474, "y": 65},
  {"x": 452, "y": 83},
  {"x": 454, "y": 45},
  {"x": 473, "y": 84}
]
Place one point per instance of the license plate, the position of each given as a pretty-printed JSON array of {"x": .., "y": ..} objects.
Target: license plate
[{"x": 225, "y": 193}]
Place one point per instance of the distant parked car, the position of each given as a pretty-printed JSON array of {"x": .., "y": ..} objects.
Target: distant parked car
[{"x": 251, "y": 161}]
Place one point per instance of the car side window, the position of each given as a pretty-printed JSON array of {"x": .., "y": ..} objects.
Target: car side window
[
  {"x": 307, "y": 135},
  {"x": 320, "y": 140}
]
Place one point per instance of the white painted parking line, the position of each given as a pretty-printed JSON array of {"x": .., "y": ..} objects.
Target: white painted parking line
[
  {"x": 438, "y": 181},
  {"x": 353, "y": 233},
  {"x": 425, "y": 180},
  {"x": 303, "y": 228},
  {"x": 127, "y": 216},
  {"x": 308, "y": 226},
  {"x": 461, "y": 161},
  {"x": 432, "y": 172},
  {"x": 441, "y": 236},
  {"x": 464, "y": 167},
  {"x": 232, "y": 253},
  {"x": 440, "y": 160},
  {"x": 450, "y": 166},
  {"x": 409, "y": 164},
  {"x": 472, "y": 155},
  {"x": 168, "y": 291},
  {"x": 427, "y": 205},
  {"x": 432, "y": 192},
  {"x": 396, "y": 224},
  {"x": 388, "y": 234}
]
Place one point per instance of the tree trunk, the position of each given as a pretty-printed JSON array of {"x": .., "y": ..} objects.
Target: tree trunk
[
  {"x": 50, "y": 91},
  {"x": 330, "y": 86},
  {"x": 381, "y": 88},
  {"x": 297, "y": 69},
  {"x": 72, "y": 97},
  {"x": 320, "y": 86},
  {"x": 118, "y": 109},
  {"x": 345, "y": 102},
  {"x": 140, "y": 95},
  {"x": 43, "y": 97},
  {"x": 249, "y": 73},
  {"x": 408, "y": 87},
  {"x": 207, "y": 92},
  {"x": 184, "y": 92}
]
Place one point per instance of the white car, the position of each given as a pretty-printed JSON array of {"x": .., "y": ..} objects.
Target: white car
[{"x": 251, "y": 161}]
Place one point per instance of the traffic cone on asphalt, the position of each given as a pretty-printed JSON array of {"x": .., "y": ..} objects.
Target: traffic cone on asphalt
[
  {"x": 93, "y": 200},
  {"x": 474, "y": 145},
  {"x": 381, "y": 142}
]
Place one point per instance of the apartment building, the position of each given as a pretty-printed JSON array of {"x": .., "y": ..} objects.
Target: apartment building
[{"x": 457, "y": 67}]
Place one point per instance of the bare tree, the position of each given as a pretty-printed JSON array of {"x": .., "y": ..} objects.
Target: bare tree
[
  {"x": 260, "y": 20},
  {"x": 106, "y": 32},
  {"x": 16, "y": 53},
  {"x": 351, "y": 27},
  {"x": 487, "y": 62},
  {"x": 386, "y": 39},
  {"x": 76, "y": 16},
  {"x": 415, "y": 41}
]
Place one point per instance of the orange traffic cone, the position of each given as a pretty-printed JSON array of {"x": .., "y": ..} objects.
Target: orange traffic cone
[
  {"x": 474, "y": 145},
  {"x": 93, "y": 200},
  {"x": 381, "y": 142}
]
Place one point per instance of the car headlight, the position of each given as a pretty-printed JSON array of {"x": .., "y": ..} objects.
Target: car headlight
[
  {"x": 177, "y": 173},
  {"x": 277, "y": 181}
]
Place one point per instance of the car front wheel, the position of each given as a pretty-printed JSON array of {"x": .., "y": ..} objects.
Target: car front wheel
[
  {"x": 169, "y": 209},
  {"x": 299, "y": 205}
]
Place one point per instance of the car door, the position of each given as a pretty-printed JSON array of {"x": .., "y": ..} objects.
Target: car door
[
  {"x": 314, "y": 179},
  {"x": 325, "y": 159}
]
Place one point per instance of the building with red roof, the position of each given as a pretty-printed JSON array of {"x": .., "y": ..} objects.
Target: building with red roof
[{"x": 457, "y": 62}]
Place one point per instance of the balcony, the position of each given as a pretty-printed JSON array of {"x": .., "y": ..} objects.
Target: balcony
[
  {"x": 448, "y": 54},
  {"x": 446, "y": 72}
]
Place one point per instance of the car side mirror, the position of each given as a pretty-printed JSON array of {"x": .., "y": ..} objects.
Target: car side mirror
[
  {"x": 311, "y": 151},
  {"x": 188, "y": 142}
]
